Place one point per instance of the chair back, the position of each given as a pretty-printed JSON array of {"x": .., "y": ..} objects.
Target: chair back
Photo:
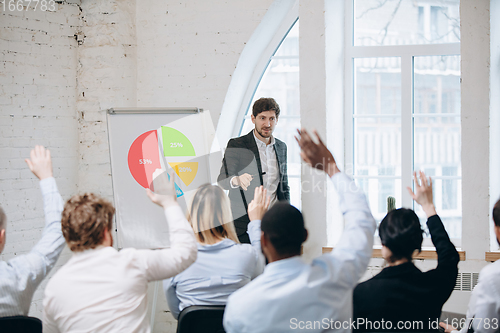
[
  {"x": 201, "y": 319},
  {"x": 17, "y": 324}
]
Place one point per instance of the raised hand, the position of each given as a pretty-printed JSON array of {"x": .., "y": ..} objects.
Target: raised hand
[
  {"x": 164, "y": 193},
  {"x": 423, "y": 193},
  {"x": 259, "y": 205},
  {"x": 315, "y": 154},
  {"x": 40, "y": 162}
]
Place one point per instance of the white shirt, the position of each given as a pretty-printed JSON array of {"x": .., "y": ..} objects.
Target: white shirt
[
  {"x": 269, "y": 165},
  {"x": 484, "y": 304},
  {"x": 103, "y": 290},
  {"x": 20, "y": 276},
  {"x": 292, "y": 295}
]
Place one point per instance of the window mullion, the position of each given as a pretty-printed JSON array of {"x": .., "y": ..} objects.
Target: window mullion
[
  {"x": 349, "y": 91},
  {"x": 349, "y": 119},
  {"x": 406, "y": 128}
]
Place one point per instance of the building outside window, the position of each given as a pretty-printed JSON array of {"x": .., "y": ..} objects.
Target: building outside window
[{"x": 403, "y": 102}]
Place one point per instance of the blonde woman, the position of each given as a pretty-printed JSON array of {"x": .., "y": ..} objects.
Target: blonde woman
[{"x": 223, "y": 264}]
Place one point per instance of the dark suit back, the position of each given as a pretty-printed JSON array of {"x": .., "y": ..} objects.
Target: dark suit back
[{"x": 404, "y": 293}]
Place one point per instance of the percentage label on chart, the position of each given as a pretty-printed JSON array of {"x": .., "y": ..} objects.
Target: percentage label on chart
[
  {"x": 145, "y": 161},
  {"x": 185, "y": 170},
  {"x": 175, "y": 144}
]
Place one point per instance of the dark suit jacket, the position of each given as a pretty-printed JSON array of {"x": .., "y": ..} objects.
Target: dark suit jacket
[
  {"x": 404, "y": 293},
  {"x": 242, "y": 156}
]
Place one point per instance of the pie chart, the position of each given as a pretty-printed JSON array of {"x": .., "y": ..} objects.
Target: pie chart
[
  {"x": 144, "y": 156},
  {"x": 175, "y": 143}
]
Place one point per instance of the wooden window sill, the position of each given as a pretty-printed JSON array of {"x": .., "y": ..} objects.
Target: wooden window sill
[
  {"x": 491, "y": 256},
  {"x": 425, "y": 254}
]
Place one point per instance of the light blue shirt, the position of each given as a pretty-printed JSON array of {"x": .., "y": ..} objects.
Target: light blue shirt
[
  {"x": 20, "y": 276},
  {"x": 219, "y": 270},
  {"x": 294, "y": 296}
]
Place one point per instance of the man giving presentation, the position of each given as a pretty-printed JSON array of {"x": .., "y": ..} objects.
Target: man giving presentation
[{"x": 252, "y": 160}]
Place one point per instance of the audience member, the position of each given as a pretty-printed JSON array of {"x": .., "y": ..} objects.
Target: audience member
[
  {"x": 22, "y": 274},
  {"x": 101, "y": 289},
  {"x": 483, "y": 314},
  {"x": 292, "y": 294},
  {"x": 223, "y": 264},
  {"x": 401, "y": 294}
]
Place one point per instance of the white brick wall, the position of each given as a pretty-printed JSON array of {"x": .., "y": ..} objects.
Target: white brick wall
[
  {"x": 106, "y": 78},
  {"x": 37, "y": 106},
  {"x": 54, "y": 92},
  {"x": 197, "y": 45}
]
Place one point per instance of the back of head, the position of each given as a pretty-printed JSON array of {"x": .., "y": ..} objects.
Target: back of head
[
  {"x": 400, "y": 231},
  {"x": 210, "y": 215},
  {"x": 84, "y": 219},
  {"x": 3, "y": 219},
  {"x": 496, "y": 213},
  {"x": 283, "y": 224},
  {"x": 265, "y": 104}
]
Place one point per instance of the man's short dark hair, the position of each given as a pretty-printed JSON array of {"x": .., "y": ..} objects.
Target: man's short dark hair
[
  {"x": 283, "y": 224},
  {"x": 400, "y": 231},
  {"x": 3, "y": 219},
  {"x": 265, "y": 104},
  {"x": 496, "y": 213}
]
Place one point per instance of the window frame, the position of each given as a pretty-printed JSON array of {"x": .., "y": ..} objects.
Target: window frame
[{"x": 406, "y": 53}]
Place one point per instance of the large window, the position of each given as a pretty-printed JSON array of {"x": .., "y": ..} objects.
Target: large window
[
  {"x": 281, "y": 81},
  {"x": 403, "y": 111}
]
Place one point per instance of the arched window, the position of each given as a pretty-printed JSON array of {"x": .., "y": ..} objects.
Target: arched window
[{"x": 281, "y": 82}]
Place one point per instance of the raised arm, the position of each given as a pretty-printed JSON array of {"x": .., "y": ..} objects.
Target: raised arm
[
  {"x": 447, "y": 254},
  {"x": 256, "y": 210},
  {"x": 34, "y": 266},
  {"x": 162, "y": 264},
  {"x": 52, "y": 242},
  {"x": 353, "y": 252},
  {"x": 355, "y": 247}
]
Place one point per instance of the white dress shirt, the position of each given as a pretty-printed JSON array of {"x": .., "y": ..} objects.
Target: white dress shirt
[
  {"x": 484, "y": 304},
  {"x": 20, "y": 276},
  {"x": 269, "y": 165},
  {"x": 219, "y": 270},
  {"x": 292, "y": 295},
  {"x": 103, "y": 290}
]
